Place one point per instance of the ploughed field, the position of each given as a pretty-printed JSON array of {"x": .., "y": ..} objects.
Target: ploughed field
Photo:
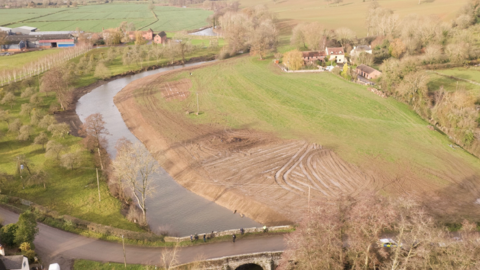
[
  {"x": 272, "y": 138},
  {"x": 95, "y": 17},
  {"x": 351, "y": 13}
]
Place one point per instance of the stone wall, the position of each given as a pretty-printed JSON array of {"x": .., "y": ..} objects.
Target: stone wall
[
  {"x": 266, "y": 260},
  {"x": 230, "y": 232}
]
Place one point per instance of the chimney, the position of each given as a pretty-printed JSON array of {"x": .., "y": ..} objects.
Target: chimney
[{"x": 2, "y": 250}]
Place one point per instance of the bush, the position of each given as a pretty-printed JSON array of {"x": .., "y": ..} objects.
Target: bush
[
  {"x": 223, "y": 55},
  {"x": 7, "y": 234},
  {"x": 30, "y": 254}
]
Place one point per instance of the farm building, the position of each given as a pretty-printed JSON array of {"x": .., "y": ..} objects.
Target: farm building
[
  {"x": 6, "y": 29},
  {"x": 336, "y": 53},
  {"x": 160, "y": 38},
  {"x": 25, "y": 30},
  {"x": 18, "y": 43},
  {"x": 368, "y": 72},
  {"x": 359, "y": 49},
  {"x": 312, "y": 57}
]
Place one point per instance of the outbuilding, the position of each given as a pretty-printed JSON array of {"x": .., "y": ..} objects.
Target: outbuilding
[
  {"x": 160, "y": 38},
  {"x": 368, "y": 72}
]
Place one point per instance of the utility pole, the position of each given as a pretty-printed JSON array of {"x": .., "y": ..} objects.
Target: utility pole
[
  {"x": 100, "y": 156},
  {"x": 98, "y": 185},
  {"x": 124, "y": 254}
]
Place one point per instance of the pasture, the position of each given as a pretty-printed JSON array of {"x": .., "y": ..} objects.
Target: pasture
[
  {"x": 376, "y": 134},
  {"x": 21, "y": 59},
  {"x": 351, "y": 13},
  {"x": 95, "y": 17}
]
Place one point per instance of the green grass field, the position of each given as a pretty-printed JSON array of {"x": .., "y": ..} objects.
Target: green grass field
[
  {"x": 323, "y": 108},
  {"x": 71, "y": 192},
  {"x": 21, "y": 59},
  {"x": 95, "y": 17},
  {"x": 91, "y": 265},
  {"x": 351, "y": 13},
  {"x": 472, "y": 73}
]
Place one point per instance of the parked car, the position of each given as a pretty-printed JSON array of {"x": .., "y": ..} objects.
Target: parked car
[
  {"x": 387, "y": 242},
  {"x": 54, "y": 266}
]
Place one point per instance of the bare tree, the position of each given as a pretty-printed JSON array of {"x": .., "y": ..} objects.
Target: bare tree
[
  {"x": 41, "y": 139},
  {"x": 134, "y": 167},
  {"x": 59, "y": 130},
  {"x": 38, "y": 178},
  {"x": 263, "y": 39},
  {"x": 25, "y": 133},
  {"x": 54, "y": 149},
  {"x": 8, "y": 99},
  {"x": 46, "y": 121},
  {"x": 58, "y": 81},
  {"x": 14, "y": 126},
  {"x": 344, "y": 35},
  {"x": 71, "y": 160},
  {"x": 101, "y": 71},
  {"x": 94, "y": 131}
]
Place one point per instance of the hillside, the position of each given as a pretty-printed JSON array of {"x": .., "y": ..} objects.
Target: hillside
[{"x": 269, "y": 136}]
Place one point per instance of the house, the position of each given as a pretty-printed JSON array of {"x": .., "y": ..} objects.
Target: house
[
  {"x": 313, "y": 56},
  {"x": 17, "y": 262},
  {"x": 160, "y": 38},
  {"x": 147, "y": 35},
  {"x": 25, "y": 30},
  {"x": 359, "y": 49},
  {"x": 368, "y": 72},
  {"x": 336, "y": 53}
]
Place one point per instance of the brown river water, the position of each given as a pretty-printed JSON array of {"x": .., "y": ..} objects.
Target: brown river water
[{"x": 172, "y": 207}]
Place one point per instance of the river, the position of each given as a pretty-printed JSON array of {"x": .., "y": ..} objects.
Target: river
[{"x": 172, "y": 207}]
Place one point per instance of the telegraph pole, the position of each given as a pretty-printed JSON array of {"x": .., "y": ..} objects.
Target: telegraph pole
[
  {"x": 98, "y": 185},
  {"x": 124, "y": 254}
]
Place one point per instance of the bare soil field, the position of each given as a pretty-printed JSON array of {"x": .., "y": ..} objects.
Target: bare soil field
[{"x": 261, "y": 172}]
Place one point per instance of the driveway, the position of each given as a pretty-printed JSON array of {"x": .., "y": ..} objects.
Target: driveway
[{"x": 52, "y": 244}]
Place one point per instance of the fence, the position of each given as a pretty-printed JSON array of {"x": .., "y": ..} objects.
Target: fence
[{"x": 41, "y": 65}]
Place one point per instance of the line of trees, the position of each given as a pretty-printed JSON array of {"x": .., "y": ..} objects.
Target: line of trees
[
  {"x": 251, "y": 29},
  {"x": 344, "y": 233}
]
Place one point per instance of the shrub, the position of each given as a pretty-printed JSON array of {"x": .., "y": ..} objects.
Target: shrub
[
  {"x": 27, "y": 228},
  {"x": 7, "y": 234}
]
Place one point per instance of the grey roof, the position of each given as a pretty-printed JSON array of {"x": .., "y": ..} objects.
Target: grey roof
[
  {"x": 42, "y": 33},
  {"x": 366, "y": 69},
  {"x": 363, "y": 47},
  {"x": 12, "y": 262},
  {"x": 5, "y": 29},
  {"x": 29, "y": 28},
  {"x": 17, "y": 38}
]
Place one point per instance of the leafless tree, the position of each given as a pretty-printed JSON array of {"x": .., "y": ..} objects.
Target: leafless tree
[
  {"x": 38, "y": 178},
  {"x": 101, "y": 71},
  {"x": 25, "y": 133},
  {"x": 54, "y": 149},
  {"x": 26, "y": 109},
  {"x": 14, "y": 126},
  {"x": 344, "y": 35},
  {"x": 8, "y": 99},
  {"x": 46, "y": 121},
  {"x": 71, "y": 160},
  {"x": 134, "y": 167},
  {"x": 58, "y": 81},
  {"x": 41, "y": 139},
  {"x": 59, "y": 130}
]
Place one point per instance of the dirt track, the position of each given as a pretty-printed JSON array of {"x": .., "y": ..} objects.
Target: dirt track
[{"x": 255, "y": 173}]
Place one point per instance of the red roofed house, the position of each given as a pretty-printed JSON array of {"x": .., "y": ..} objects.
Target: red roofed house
[
  {"x": 147, "y": 35},
  {"x": 368, "y": 72},
  {"x": 161, "y": 38},
  {"x": 336, "y": 53},
  {"x": 312, "y": 57}
]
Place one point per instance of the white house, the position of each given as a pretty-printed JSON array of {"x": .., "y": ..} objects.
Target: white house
[
  {"x": 359, "y": 49},
  {"x": 336, "y": 54},
  {"x": 17, "y": 262}
]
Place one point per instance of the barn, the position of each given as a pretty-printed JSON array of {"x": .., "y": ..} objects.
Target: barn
[{"x": 38, "y": 40}]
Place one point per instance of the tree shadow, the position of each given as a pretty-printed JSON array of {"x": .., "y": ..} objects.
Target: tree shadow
[{"x": 455, "y": 202}]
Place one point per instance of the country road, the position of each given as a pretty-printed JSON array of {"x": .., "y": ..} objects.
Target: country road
[{"x": 55, "y": 243}]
